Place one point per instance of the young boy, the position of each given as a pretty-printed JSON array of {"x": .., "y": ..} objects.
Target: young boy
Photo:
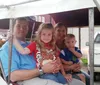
[{"x": 71, "y": 54}]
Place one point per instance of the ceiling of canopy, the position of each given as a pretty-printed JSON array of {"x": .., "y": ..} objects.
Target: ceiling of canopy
[
  {"x": 21, "y": 8},
  {"x": 14, "y": 2}
]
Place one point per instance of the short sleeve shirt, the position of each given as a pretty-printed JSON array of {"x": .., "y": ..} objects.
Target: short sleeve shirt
[
  {"x": 69, "y": 56},
  {"x": 19, "y": 61},
  {"x": 33, "y": 49}
]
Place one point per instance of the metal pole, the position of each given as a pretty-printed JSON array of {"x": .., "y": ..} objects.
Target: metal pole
[
  {"x": 91, "y": 44},
  {"x": 97, "y": 4},
  {"x": 79, "y": 38},
  {"x": 2, "y": 70},
  {"x": 10, "y": 50},
  {"x": 50, "y": 19},
  {"x": 33, "y": 27}
]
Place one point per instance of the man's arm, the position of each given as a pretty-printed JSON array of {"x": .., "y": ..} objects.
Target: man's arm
[{"x": 19, "y": 75}]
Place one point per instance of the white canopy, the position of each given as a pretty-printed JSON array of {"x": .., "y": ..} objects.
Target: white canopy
[{"x": 38, "y": 7}]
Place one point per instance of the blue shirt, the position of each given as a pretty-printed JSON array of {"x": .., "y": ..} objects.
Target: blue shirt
[
  {"x": 67, "y": 55},
  {"x": 19, "y": 61}
]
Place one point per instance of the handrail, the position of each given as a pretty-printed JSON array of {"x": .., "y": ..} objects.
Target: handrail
[{"x": 2, "y": 70}]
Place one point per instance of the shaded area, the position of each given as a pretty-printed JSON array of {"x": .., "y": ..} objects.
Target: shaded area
[
  {"x": 4, "y": 24},
  {"x": 76, "y": 17}
]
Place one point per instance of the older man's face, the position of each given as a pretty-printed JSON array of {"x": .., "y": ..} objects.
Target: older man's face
[{"x": 21, "y": 29}]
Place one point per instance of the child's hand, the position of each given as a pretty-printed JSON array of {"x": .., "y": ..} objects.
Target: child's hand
[
  {"x": 10, "y": 35},
  {"x": 72, "y": 49},
  {"x": 68, "y": 77}
]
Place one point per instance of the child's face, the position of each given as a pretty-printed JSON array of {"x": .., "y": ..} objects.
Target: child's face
[
  {"x": 70, "y": 43},
  {"x": 46, "y": 35}
]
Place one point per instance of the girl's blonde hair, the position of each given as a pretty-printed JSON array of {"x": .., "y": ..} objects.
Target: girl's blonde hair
[{"x": 38, "y": 35}]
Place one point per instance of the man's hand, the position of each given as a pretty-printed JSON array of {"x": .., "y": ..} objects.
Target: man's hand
[
  {"x": 51, "y": 67},
  {"x": 57, "y": 66}
]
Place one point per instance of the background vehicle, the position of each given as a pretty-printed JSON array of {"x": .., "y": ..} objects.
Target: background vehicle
[{"x": 96, "y": 54}]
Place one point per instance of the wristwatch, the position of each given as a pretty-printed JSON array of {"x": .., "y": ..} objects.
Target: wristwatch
[{"x": 40, "y": 71}]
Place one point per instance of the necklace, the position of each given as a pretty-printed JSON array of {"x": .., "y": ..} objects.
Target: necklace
[{"x": 51, "y": 52}]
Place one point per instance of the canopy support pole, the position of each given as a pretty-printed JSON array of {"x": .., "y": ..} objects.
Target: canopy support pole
[
  {"x": 97, "y": 4},
  {"x": 91, "y": 44},
  {"x": 10, "y": 50},
  {"x": 79, "y": 37},
  {"x": 33, "y": 27}
]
